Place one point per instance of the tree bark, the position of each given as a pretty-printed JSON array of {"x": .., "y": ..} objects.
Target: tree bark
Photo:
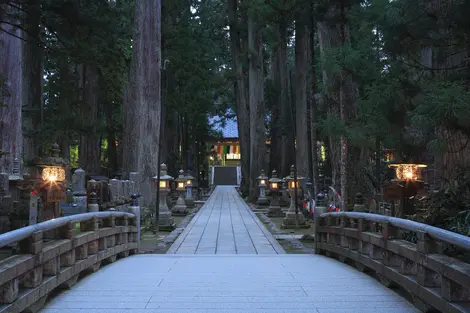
[
  {"x": 11, "y": 93},
  {"x": 313, "y": 105},
  {"x": 257, "y": 106},
  {"x": 143, "y": 102},
  {"x": 240, "y": 93},
  {"x": 33, "y": 58},
  {"x": 301, "y": 70},
  {"x": 89, "y": 149},
  {"x": 282, "y": 87}
]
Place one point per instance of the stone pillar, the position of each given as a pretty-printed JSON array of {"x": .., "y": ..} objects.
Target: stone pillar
[
  {"x": 180, "y": 207},
  {"x": 274, "y": 209},
  {"x": 134, "y": 208},
  {"x": 165, "y": 218},
  {"x": 318, "y": 210},
  {"x": 113, "y": 189},
  {"x": 79, "y": 190},
  {"x": 93, "y": 205}
]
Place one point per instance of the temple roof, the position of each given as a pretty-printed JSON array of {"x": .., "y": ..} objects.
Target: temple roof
[{"x": 226, "y": 126}]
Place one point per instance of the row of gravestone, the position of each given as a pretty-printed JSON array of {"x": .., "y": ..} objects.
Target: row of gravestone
[{"x": 99, "y": 193}]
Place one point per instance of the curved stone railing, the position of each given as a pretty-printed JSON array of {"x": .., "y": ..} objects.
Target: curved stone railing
[
  {"x": 436, "y": 282},
  {"x": 42, "y": 265}
]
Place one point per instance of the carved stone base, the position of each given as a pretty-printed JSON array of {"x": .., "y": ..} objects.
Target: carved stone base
[
  {"x": 275, "y": 211},
  {"x": 189, "y": 202},
  {"x": 262, "y": 201},
  {"x": 289, "y": 221},
  {"x": 179, "y": 210},
  {"x": 166, "y": 222}
]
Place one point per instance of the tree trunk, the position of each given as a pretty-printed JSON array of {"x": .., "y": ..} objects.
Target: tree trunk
[
  {"x": 240, "y": 93},
  {"x": 282, "y": 88},
  {"x": 33, "y": 58},
  {"x": 11, "y": 136},
  {"x": 111, "y": 138},
  {"x": 313, "y": 105},
  {"x": 301, "y": 70},
  {"x": 89, "y": 149},
  {"x": 143, "y": 102},
  {"x": 275, "y": 123},
  {"x": 257, "y": 106}
]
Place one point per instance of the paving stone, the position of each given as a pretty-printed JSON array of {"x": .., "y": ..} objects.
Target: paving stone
[{"x": 225, "y": 220}]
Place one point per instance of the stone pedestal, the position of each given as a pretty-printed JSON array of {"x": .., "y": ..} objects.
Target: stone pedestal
[
  {"x": 319, "y": 210},
  {"x": 290, "y": 218},
  {"x": 274, "y": 209},
  {"x": 359, "y": 204},
  {"x": 180, "y": 208},
  {"x": 165, "y": 218},
  {"x": 262, "y": 200}
]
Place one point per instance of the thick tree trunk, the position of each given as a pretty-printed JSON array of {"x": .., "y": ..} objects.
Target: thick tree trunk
[
  {"x": 89, "y": 149},
  {"x": 143, "y": 102},
  {"x": 275, "y": 123},
  {"x": 111, "y": 138},
  {"x": 240, "y": 93},
  {"x": 11, "y": 97},
  {"x": 341, "y": 99},
  {"x": 313, "y": 105},
  {"x": 301, "y": 70},
  {"x": 257, "y": 106},
  {"x": 282, "y": 86},
  {"x": 33, "y": 58}
]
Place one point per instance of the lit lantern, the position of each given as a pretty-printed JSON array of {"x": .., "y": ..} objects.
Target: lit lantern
[
  {"x": 165, "y": 220},
  {"x": 53, "y": 174},
  {"x": 293, "y": 217},
  {"x": 164, "y": 180},
  {"x": 180, "y": 207},
  {"x": 262, "y": 179},
  {"x": 408, "y": 171},
  {"x": 274, "y": 209},
  {"x": 189, "y": 190}
]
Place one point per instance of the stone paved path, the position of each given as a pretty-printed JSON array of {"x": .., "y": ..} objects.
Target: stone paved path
[
  {"x": 225, "y": 225},
  {"x": 228, "y": 284}
]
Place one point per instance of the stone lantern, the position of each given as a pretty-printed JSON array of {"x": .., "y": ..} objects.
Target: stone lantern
[
  {"x": 274, "y": 209},
  {"x": 291, "y": 219},
  {"x": 262, "y": 184},
  {"x": 165, "y": 219},
  {"x": 189, "y": 190},
  {"x": 53, "y": 178},
  {"x": 180, "y": 208}
]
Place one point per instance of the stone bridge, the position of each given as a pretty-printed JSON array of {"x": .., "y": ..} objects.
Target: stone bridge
[{"x": 227, "y": 261}]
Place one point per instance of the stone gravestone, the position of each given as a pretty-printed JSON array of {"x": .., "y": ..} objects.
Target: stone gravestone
[
  {"x": 79, "y": 193},
  {"x": 78, "y": 182},
  {"x": 113, "y": 189}
]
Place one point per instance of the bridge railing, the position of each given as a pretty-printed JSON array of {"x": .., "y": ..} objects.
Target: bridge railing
[
  {"x": 42, "y": 265},
  {"x": 373, "y": 242}
]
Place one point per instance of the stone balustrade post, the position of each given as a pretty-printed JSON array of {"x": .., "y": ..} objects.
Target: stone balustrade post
[
  {"x": 33, "y": 245},
  {"x": 134, "y": 208}
]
